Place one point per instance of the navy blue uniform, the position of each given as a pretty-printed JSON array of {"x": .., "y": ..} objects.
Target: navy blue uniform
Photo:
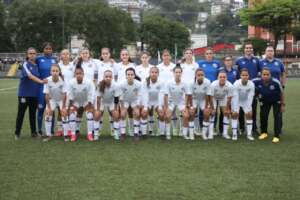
[
  {"x": 27, "y": 97},
  {"x": 44, "y": 64},
  {"x": 232, "y": 75},
  {"x": 269, "y": 95},
  {"x": 276, "y": 67},
  {"x": 211, "y": 69}
]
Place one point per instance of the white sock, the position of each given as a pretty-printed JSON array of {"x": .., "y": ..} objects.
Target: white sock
[
  {"x": 65, "y": 125},
  {"x": 151, "y": 123},
  {"x": 162, "y": 127},
  {"x": 211, "y": 125},
  {"x": 111, "y": 123},
  {"x": 90, "y": 122},
  {"x": 72, "y": 122},
  {"x": 116, "y": 128},
  {"x": 185, "y": 131},
  {"x": 131, "y": 124},
  {"x": 174, "y": 120},
  {"x": 168, "y": 129},
  {"x": 144, "y": 126},
  {"x": 249, "y": 126},
  {"x": 123, "y": 126},
  {"x": 191, "y": 128},
  {"x": 59, "y": 125},
  {"x": 180, "y": 121},
  {"x": 205, "y": 127},
  {"x": 96, "y": 128},
  {"x": 225, "y": 125},
  {"x": 48, "y": 124},
  {"x": 234, "y": 126},
  {"x": 196, "y": 122},
  {"x": 78, "y": 122},
  {"x": 136, "y": 125}
]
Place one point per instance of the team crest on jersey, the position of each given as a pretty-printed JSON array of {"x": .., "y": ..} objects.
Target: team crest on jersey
[
  {"x": 234, "y": 73},
  {"x": 243, "y": 62},
  {"x": 215, "y": 65},
  {"x": 60, "y": 87},
  {"x": 265, "y": 63},
  {"x": 203, "y": 65},
  {"x": 53, "y": 61},
  {"x": 158, "y": 87},
  {"x": 253, "y": 60},
  {"x": 272, "y": 87},
  {"x": 276, "y": 63},
  {"x": 42, "y": 60}
]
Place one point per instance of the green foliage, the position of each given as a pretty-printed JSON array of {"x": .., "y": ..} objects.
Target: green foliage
[
  {"x": 225, "y": 28},
  {"x": 161, "y": 33},
  {"x": 277, "y": 16},
  {"x": 259, "y": 45},
  {"x": 5, "y": 41}
]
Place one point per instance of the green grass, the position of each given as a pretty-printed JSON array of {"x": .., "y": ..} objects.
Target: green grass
[{"x": 151, "y": 169}]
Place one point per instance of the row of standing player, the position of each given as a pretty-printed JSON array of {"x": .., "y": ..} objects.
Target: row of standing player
[{"x": 90, "y": 66}]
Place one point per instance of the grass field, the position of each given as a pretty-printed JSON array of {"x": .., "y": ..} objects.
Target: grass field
[{"x": 151, "y": 169}]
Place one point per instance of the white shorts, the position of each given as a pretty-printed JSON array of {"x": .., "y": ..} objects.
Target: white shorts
[
  {"x": 80, "y": 104},
  {"x": 173, "y": 106},
  {"x": 54, "y": 104},
  {"x": 199, "y": 104},
  {"x": 246, "y": 108},
  {"x": 131, "y": 104},
  {"x": 221, "y": 103}
]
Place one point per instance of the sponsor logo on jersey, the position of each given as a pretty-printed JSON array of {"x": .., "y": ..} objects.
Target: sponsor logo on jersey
[
  {"x": 272, "y": 87},
  {"x": 276, "y": 63}
]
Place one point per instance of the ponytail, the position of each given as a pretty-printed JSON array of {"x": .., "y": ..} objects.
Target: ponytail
[{"x": 102, "y": 86}]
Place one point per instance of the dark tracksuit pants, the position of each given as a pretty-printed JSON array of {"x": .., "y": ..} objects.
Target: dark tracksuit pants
[
  {"x": 23, "y": 103},
  {"x": 264, "y": 115}
]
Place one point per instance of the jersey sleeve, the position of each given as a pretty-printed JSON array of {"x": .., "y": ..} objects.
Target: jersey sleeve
[
  {"x": 210, "y": 90},
  {"x": 25, "y": 71},
  {"x": 90, "y": 92},
  {"x": 46, "y": 88}
]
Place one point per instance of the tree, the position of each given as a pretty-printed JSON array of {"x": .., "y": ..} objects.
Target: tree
[
  {"x": 161, "y": 33},
  {"x": 259, "y": 45},
  {"x": 103, "y": 26},
  {"x": 225, "y": 28},
  {"x": 274, "y": 15},
  {"x": 5, "y": 41}
]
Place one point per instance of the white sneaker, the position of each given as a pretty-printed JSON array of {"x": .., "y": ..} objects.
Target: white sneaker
[
  {"x": 197, "y": 132},
  {"x": 192, "y": 136},
  {"x": 234, "y": 137},
  {"x": 204, "y": 137},
  {"x": 168, "y": 137},
  {"x": 250, "y": 137},
  {"x": 210, "y": 136},
  {"x": 96, "y": 137},
  {"x": 116, "y": 136},
  {"x": 226, "y": 136}
]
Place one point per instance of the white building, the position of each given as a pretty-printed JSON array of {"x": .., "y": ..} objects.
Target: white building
[
  {"x": 198, "y": 40},
  {"x": 131, "y": 6}
]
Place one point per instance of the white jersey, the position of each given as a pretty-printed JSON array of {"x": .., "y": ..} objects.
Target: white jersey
[
  {"x": 166, "y": 72},
  {"x": 67, "y": 71},
  {"x": 90, "y": 68},
  {"x": 176, "y": 92},
  {"x": 199, "y": 92},
  {"x": 121, "y": 71},
  {"x": 220, "y": 93},
  {"x": 81, "y": 93},
  {"x": 107, "y": 97},
  {"x": 153, "y": 94},
  {"x": 131, "y": 93},
  {"x": 143, "y": 72},
  {"x": 55, "y": 90},
  {"x": 104, "y": 66},
  {"x": 188, "y": 72},
  {"x": 244, "y": 93}
]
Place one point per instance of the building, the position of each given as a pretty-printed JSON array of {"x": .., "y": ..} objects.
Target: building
[
  {"x": 134, "y": 8},
  {"x": 292, "y": 46}
]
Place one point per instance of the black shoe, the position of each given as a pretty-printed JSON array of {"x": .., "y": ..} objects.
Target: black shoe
[
  {"x": 40, "y": 132},
  {"x": 255, "y": 132},
  {"x": 162, "y": 137},
  {"x": 77, "y": 132},
  {"x": 144, "y": 137},
  {"x": 34, "y": 135}
]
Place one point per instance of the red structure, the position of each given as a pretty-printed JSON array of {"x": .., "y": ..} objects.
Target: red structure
[{"x": 216, "y": 48}]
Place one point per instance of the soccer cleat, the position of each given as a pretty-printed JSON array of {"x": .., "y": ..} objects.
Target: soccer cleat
[
  {"x": 226, "y": 136},
  {"x": 250, "y": 137},
  {"x": 47, "y": 139},
  {"x": 204, "y": 137},
  {"x": 96, "y": 137},
  {"x": 66, "y": 139},
  {"x": 17, "y": 137},
  {"x": 263, "y": 136},
  {"x": 90, "y": 137},
  {"x": 275, "y": 139},
  {"x": 168, "y": 137},
  {"x": 73, "y": 138},
  {"x": 197, "y": 133},
  {"x": 175, "y": 132},
  {"x": 210, "y": 136},
  {"x": 116, "y": 136},
  {"x": 192, "y": 137},
  {"x": 234, "y": 137},
  {"x": 59, "y": 133}
]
